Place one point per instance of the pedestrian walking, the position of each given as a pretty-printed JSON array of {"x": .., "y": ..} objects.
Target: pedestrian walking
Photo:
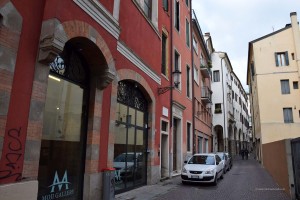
[
  {"x": 246, "y": 152},
  {"x": 242, "y": 153}
]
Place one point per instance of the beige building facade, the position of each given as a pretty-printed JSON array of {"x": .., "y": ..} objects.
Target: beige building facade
[{"x": 273, "y": 76}]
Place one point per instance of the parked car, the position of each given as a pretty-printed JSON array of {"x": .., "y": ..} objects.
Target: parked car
[
  {"x": 128, "y": 165},
  {"x": 229, "y": 160},
  {"x": 203, "y": 167},
  {"x": 225, "y": 161}
]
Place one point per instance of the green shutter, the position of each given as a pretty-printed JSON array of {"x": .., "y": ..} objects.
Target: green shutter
[
  {"x": 276, "y": 60},
  {"x": 287, "y": 58}
]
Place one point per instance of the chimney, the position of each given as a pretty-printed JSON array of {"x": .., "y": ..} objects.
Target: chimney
[
  {"x": 207, "y": 34},
  {"x": 296, "y": 35},
  {"x": 294, "y": 21}
]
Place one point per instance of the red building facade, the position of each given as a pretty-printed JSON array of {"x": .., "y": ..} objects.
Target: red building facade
[
  {"x": 203, "y": 138},
  {"x": 91, "y": 85}
]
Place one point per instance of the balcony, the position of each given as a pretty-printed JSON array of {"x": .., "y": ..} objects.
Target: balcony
[
  {"x": 205, "y": 71},
  {"x": 206, "y": 94}
]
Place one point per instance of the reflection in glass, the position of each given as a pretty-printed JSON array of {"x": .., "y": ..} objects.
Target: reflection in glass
[
  {"x": 139, "y": 118},
  {"x": 131, "y": 115},
  {"x": 61, "y": 146},
  {"x": 63, "y": 110},
  {"x": 130, "y": 141}
]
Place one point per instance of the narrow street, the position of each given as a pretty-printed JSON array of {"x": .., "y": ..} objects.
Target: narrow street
[{"x": 246, "y": 180}]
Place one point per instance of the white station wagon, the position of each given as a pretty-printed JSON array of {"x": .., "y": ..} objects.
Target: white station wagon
[{"x": 204, "y": 167}]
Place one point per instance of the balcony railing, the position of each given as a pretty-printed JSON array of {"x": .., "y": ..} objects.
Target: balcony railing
[
  {"x": 206, "y": 94},
  {"x": 205, "y": 70}
]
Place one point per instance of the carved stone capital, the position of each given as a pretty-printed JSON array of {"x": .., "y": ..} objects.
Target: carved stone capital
[
  {"x": 105, "y": 78},
  {"x": 52, "y": 41}
]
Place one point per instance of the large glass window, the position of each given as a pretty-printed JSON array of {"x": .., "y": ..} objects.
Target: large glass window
[
  {"x": 130, "y": 145},
  {"x": 64, "y": 130}
]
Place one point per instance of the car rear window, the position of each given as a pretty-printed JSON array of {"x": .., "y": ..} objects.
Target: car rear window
[{"x": 202, "y": 159}]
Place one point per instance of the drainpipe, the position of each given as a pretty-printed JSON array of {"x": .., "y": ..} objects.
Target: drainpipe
[
  {"x": 222, "y": 56},
  {"x": 242, "y": 124},
  {"x": 171, "y": 92},
  {"x": 192, "y": 80},
  {"x": 232, "y": 109}
]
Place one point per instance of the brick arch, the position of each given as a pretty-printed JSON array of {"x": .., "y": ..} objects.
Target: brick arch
[
  {"x": 124, "y": 74},
  {"x": 77, "y": 28},
  {"x": 55, "y": 35}
]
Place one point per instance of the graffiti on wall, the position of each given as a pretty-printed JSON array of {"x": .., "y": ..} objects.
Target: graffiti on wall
[{"x": 11, "y": 158}]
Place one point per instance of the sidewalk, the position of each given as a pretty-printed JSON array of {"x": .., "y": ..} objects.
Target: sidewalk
[{"x": 150, "y": 191}]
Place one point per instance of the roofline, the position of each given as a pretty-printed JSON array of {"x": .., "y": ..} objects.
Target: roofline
[
  {"x": 270, "y": 34},
  {"x": 259, "y": 39},
  {"x": 198, "y": 28},
  {"x": 232, "y": 71}
]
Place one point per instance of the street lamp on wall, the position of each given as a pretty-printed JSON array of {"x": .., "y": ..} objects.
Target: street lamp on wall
[{"x": 176, "y": 79}]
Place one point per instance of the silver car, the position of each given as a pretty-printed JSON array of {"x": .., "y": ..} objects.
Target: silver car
[{"x": 225, "y": 161}]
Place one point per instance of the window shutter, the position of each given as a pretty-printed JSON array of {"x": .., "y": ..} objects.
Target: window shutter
[
  {"x": 165, "y": 5},
  {"x": 287, "y": 58},
  {"x": 276, "y": 60}
]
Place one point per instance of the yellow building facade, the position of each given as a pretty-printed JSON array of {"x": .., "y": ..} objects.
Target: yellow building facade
[{"x": 273, "y": 76}]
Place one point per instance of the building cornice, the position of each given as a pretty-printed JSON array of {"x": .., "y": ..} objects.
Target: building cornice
[
  {"x": 99, "y": 13},
  {"x": 132, "y": 57}
]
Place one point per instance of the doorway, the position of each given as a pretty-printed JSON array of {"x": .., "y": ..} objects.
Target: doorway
[
  {"x": 164, "y": 156},
  {"x": 131, "y": 137},
  {"x": 63, "y": 143},
  {"x": 175, "y": 127}
]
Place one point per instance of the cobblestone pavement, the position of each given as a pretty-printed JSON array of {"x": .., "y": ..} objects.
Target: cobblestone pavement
[{"x": 247, "y": 180}]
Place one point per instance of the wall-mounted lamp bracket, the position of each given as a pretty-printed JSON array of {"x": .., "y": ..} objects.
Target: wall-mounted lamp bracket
[{"x": 163, "y": 90}]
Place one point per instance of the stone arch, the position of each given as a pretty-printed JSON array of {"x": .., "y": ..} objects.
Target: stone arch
[
  {"x": 53, "y": 40},
  {"x": 230, "y": 132},
  {"x": 54, "y": 36},
  {"x": 219, "y": 132},
  {"x": 240, "y": 136},
  {"x": 230, "y": 142},
  {"x": 127, "y": 74}
]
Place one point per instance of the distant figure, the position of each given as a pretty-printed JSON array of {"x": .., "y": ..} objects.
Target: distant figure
[
  {"x": 242, "y": 152},
  {"x": 246, "y": 152}
]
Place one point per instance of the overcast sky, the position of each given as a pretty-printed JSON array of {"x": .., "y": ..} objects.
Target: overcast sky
[{"x": 234, "y": 23}]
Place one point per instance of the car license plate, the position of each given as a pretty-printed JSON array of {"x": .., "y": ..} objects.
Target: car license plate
[{"x": 193, "y": 176}]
